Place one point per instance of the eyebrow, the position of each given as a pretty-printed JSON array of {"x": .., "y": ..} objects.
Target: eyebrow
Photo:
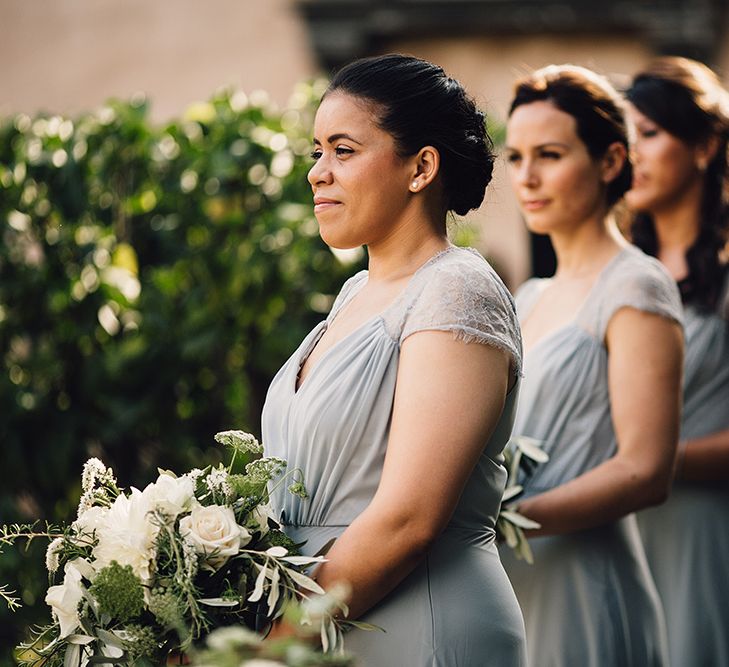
[
  {"x": 336, "y": 137},
  {"x": 545, "y": 145}
]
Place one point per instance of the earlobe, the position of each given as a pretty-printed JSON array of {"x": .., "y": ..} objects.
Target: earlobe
[{"x": 427, "y": 165}]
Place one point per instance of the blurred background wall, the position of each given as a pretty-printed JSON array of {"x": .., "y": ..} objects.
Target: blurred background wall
[{"x": 69, "y": 56}]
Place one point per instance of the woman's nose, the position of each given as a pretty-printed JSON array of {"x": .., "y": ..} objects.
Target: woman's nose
[
  {"x": 526, "y": 174},
  {"x": 319, "y": 173}
]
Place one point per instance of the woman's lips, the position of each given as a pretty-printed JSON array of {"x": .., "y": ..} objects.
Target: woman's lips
[
  {"x": 535, "y": 204},
  {"x": 322, "y": 204}
]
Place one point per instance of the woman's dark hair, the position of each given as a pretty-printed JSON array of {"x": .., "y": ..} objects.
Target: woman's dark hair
[
  {"x": 686, "y": 99},
  {"x": 594, "y": 104},
  {"x": 419, "y": 105}
]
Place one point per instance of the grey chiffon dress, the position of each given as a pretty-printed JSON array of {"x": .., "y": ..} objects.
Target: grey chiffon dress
[
  {"x": 589, "y": 599},
  {"x": 457, "y": 608},
  {"x": 687, "y": 538}
]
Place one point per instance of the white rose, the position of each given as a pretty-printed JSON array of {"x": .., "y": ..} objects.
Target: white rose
[
  {"x": 64, "y": 600},
  {"x": 127, "y": 535},
  {"x": 171, "y": 495},
  {"x": 215, "y": 533}
]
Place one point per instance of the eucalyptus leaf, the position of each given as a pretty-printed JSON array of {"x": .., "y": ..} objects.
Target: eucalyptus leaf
[
  {"x": 511, "y": 492},
  {"x": 305, "y": 582},
  {"x": 219, "y": 602},
  {"x": 73, "y": 656},
  {"x": 273, "y": 591},
  {"x": 519, "y": 519},
  {"x": 509, "y": 533},
  {"x": 531, "y": 448},
  {"x": 259, "y": 585}
]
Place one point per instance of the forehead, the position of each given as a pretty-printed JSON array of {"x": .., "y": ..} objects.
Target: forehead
[
  {"x": 540, "y": 122},
  {"x": 342, "y": 113}
]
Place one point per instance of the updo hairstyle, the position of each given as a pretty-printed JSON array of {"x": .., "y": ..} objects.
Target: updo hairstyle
[
  {"x": 594, "y": 104},
  {"x": 419, "y": 105},
  {"x": 687, "y": 100}
]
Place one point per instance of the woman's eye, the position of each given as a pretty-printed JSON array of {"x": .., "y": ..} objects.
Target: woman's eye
[
  {"x": 647, "y": 134},
  {"x": 512, "y": 158},
  {"x": 315, "y": 155},
  {"x": 550, "y": 155},
  {"x": 341, "y": 151}
]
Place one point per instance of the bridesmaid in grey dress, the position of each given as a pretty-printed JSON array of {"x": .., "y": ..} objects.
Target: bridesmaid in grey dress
[
  {"x": 397, "y": 407},
  {"x": 601, "y": 388},
  {"x": 681, "y": 195}
]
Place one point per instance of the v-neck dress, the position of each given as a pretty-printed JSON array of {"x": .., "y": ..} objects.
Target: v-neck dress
[
  {"x": 589, "y": 598},
  {"x": 687, "y": 538},
  {"x": 457, "y": 608}
]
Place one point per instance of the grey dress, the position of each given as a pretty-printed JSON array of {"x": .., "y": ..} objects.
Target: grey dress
[
  {"x": 589, "y": 599},
  {"x": 687, "y": 538},
  {"x": 457, "y": 608}
]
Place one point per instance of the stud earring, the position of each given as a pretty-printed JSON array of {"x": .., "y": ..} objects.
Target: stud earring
[{"x": 415, "y": 185}]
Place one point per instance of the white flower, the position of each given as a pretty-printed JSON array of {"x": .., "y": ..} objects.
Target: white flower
[
  {"x": 64, "y": 600},
  {"x": 93, "y": 469},
  {"x": 215, "y": 533},
  {"x": 195, "y": 475},
  {"x": 127, "y": 534},
  {"x": 261, "y": 514},
  {"x": 52, "y": 554},
  {"x": 171, "y": 495},
  {"x": 90, "y": 520},
  {"x": 240, "y": 441},
  {"x": 217, "y": 482}
]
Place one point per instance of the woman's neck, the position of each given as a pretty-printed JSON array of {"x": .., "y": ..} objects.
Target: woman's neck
[
  {"x": 583, "y": 252},
  {"x": 405, "y": 249},
  {"x": 677, "y": 226}
]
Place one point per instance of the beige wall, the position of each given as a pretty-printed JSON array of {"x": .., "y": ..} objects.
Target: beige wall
[{"x": 66, "y": 56}]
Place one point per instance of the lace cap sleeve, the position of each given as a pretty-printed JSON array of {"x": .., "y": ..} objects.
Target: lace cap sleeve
[
  {"x": 637, "y": 281},
  {"x": 464, "y": 295}
]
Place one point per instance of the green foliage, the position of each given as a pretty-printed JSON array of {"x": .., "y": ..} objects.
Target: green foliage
[
  {"x": 119, "y": 592},
  {"x": 152, "y": 281}
]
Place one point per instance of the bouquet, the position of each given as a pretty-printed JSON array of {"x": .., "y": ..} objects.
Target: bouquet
[
  {"x": 140, "y": 574},
  {"x": 521, "y": 454}
]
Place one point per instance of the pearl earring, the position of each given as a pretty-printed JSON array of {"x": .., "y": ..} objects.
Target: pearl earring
[{"x": 416, "y": 185}]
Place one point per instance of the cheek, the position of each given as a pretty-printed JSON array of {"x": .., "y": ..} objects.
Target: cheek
[{"x": 579, "y": 187}]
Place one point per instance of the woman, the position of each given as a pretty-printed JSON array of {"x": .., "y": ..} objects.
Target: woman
[
  {"x": 398, "y": 406},
  {"x": 681, "y": 195},
  {"x": 603, "y": 354}
]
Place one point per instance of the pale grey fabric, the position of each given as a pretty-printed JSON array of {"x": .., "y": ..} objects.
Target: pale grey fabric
[
  {"x": 457, "y": 608},
  {"x": 687, "y": 538},
  {"x": 589, "y": 599}
]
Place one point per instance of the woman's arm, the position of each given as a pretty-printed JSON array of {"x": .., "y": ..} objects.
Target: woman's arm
[
  {"x": 704, "y": 459},
  {"x": 645, "y": 357},
  {"x": 448, "y": 400}
]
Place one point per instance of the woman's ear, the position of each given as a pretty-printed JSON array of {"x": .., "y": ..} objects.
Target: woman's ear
[
  {"x": 426, "y": 167},
  {"x": 705, "y": 152},
  {"x": 613, "y": 161}
]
